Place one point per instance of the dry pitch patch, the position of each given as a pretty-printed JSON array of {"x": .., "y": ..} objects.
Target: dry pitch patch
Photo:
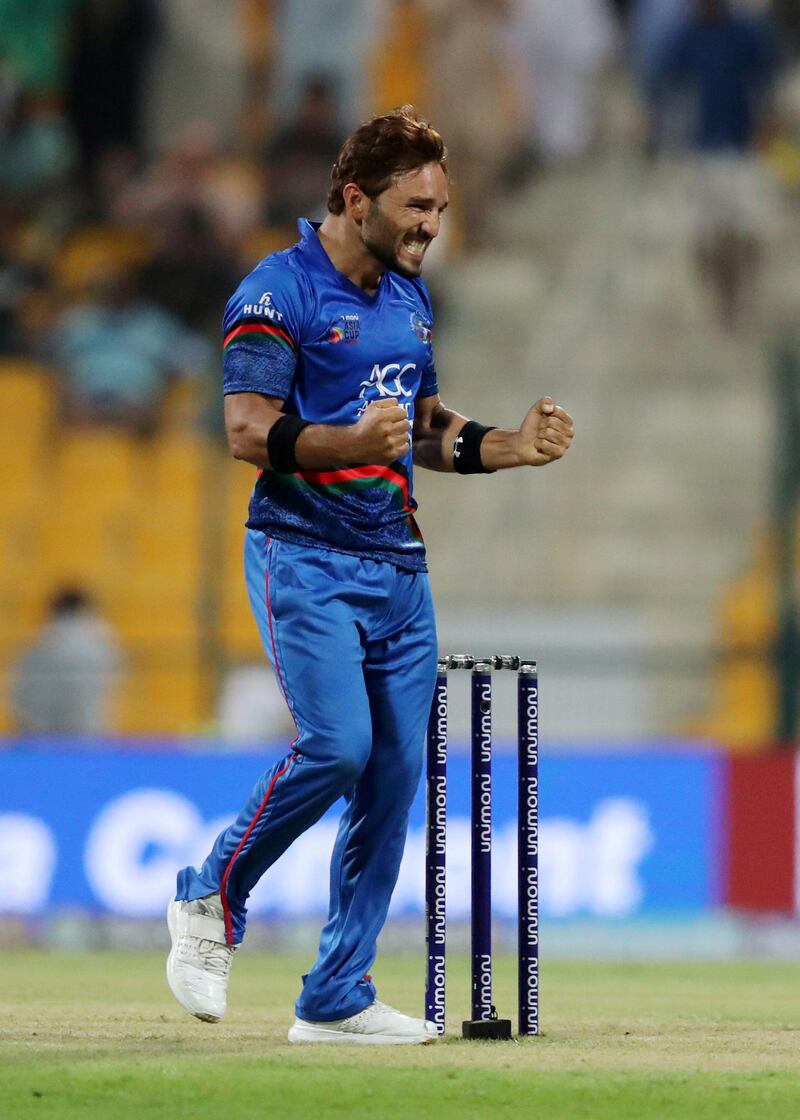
[{"x": 98, "y": 1035}]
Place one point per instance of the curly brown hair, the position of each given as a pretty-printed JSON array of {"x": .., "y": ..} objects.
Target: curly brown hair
[{"x": 380, "y": 150}]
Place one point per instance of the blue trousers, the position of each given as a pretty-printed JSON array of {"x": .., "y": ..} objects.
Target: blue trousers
[{"x": 353, "y": 645}]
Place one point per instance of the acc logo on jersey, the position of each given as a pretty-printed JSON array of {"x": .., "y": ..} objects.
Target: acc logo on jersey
[
  {"x": 388, "y": 380},
  {"x": 421, "y": 327},
  {"x": 265, "y": 307},
  {"x": 346, "y": 328}
]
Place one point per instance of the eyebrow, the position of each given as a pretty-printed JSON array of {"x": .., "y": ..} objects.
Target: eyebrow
[{"x": 426, "y": 202}]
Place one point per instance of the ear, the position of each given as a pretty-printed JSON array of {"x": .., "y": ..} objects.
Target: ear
[{"x": 355, "y": 202}]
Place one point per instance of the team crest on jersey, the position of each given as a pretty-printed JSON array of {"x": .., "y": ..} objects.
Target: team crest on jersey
[
  {"x": 421, "y": 327},
  {"x": 346, "y": 328}
]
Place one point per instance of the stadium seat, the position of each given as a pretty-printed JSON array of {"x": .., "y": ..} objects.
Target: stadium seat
[
  {"x": 239, "y": 636},
  {"x": 28, "y": 402},
  {"x": 405, "y": 81},
  {"x": 158, "y": 699},
  {"x": 90, "y": 253},
  {"x": 93, "y": 487},
  {"x": 264, "y": 242},
  {"x": 98, "y": 468},
  {"x": 744, "y": 697}
]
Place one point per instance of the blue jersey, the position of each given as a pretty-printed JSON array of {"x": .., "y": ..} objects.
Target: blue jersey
[{"x": 298, "y": 329}]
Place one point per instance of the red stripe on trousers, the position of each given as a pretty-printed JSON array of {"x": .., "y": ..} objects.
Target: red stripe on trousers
[
  {"x": 223, "y": 890},
  {"x": 268, "y": 794}
]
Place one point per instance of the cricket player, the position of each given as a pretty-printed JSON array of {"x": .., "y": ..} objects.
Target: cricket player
[{"x": 330, "y": 390}]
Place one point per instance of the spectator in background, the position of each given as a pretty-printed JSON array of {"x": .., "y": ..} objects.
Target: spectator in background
[
  {"x": 341, "y": 51},
  {"x": 467, "y": 72},
  {"x": 108, "y": 51},
  {"x": 563, "y": 45},
  {"x": 190, "y": 275},
  {"x": 787, "y": 15},
  {"x": 302, "y": 154},
  {"x": 191, "y": 175},
  {"x": 64, "y": 683},
  {"x": 251, "y": 708},
  {"x": 729, "y": 61},
  {"x": 32, "y": 36},
  {"x": 653, "y": 24},
  {"x": 19, "y": 278},
  {"x": 36, "y": 154},
  {"x": 118, "y": 355}
]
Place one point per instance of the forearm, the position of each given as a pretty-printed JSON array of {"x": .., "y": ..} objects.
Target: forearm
[
  {"x": 434, "y": 444},
  {"x": 249, "y": 418},
  {"x": 433, "y": 441},
  {"x": 258, "y": 429},
  {"x": 318, "y": 447},
  {"x": 326, "y": 447},
  {"x": 500, "y": 450}
]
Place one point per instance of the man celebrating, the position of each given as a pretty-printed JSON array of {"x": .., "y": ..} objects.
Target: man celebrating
[{"x": 331, "y": 391}]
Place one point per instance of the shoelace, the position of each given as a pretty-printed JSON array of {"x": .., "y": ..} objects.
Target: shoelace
[{"x": 215, "y": 958}]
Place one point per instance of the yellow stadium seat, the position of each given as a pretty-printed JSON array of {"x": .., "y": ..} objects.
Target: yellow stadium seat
[
  {"x": 152, "y": 619},
  {"x": 404, "y": 80},
  {"x": 238, "y": 633},
  {"x": 745, "y": 693},
  {"x": 745, "y": 703},
  {"x": 176, "y": 465},
  {"x": 93, "y": 252},
  {"x": 183, "y": 406},
  {"x": 28, "y": 398},
  {"x": 749, "y": 611},
  {"x": 99, "y": 467},
  {"x": 28, "y": 403},
  {"x": 94, "y": 485},
  {"x": 175, "y": 506},
  {"x": 157, "y": 699},
  {"x": 263, "y": 242},
  {"x": 22, "y": 531}
]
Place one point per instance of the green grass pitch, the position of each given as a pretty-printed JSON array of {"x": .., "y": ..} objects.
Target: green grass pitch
[{"x": 94, "y": 1036}]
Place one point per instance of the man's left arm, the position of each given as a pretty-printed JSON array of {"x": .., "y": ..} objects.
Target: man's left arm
[{"x": 444, "y": 440}]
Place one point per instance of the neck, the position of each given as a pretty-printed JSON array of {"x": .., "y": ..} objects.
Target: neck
[{"x": 349, "y": 255}]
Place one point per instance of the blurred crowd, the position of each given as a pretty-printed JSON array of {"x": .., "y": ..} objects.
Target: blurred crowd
[
  {"x": 137, "y": 186},
  {"x": 117, "y": 253}
]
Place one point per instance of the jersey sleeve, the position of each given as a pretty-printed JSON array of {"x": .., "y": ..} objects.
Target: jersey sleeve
[
  {"x": 428, "y": 385},
  {"x": 261, "y": 333}
]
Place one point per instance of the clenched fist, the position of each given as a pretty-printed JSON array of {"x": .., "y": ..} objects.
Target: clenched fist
[
  {"x": 545, "y": 434},
  {"x": 383, "y": 433}
]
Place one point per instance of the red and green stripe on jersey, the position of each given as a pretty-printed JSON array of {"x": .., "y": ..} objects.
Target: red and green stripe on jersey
[
  {"x": 392, "y": 478},
  {"x": 256, "y": 330}
]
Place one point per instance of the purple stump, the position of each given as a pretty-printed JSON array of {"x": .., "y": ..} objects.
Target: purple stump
[
  {"x": 436, "y": 853},
  {"x": 484, "y": 1022},
  {"x": 528, "y": 847}
]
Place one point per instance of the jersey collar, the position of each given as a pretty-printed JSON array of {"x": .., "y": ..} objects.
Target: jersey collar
[{"x": 313, "y": 246}]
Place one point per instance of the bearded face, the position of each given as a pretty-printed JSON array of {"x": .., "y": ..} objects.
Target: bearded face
[{"x": 402, "y": 222}]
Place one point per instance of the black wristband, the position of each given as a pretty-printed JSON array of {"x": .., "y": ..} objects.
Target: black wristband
[
  {"x": 281, "y": 442},
  {"x": 467, "y": 449}
]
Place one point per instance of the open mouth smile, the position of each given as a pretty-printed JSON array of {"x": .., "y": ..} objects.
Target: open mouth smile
[{"x": 415, "y": 247}]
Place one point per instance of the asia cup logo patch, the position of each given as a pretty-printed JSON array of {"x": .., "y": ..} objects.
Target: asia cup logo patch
[
  {"x": 422, "y": 328},
  {"x": 346, "y": 328}
]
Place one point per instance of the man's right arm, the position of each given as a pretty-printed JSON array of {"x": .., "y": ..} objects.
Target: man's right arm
[{"x": 380, "y": 436}]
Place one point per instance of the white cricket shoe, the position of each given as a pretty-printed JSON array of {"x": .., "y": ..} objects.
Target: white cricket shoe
[
  {"x": 376, "y": 1025},
  {"x": 199, "y": 964}
]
